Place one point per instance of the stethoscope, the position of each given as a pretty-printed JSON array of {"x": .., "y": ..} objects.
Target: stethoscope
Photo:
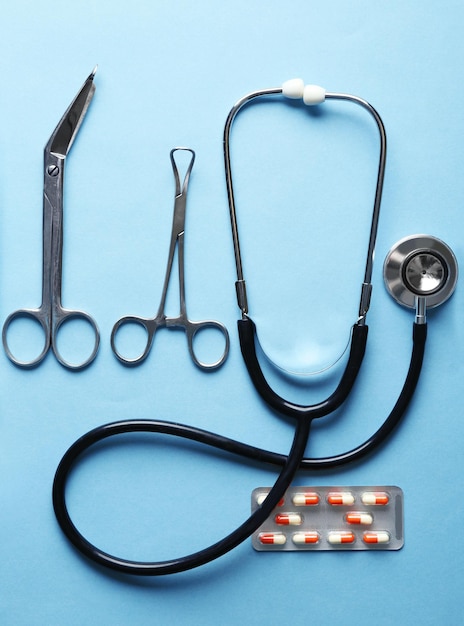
[{"x": 420, "y": 272}]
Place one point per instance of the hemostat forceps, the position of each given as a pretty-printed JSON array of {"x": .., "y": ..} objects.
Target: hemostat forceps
[
  {"x": 51, "y": 315},
  {"x": 151, "y": 325}
]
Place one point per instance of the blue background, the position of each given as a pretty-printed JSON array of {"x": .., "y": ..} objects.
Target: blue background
[{"x": 168, "y": 74}]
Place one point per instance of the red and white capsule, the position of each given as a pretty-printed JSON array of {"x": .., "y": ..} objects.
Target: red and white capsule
[
  {"x": 340, "y": 498},
  {"x": 375, "y": 498},
  {"x": 309, "y": 537},
  {"x": 308, "y": 498},
  {"x": 378, "y": 536},
  {"x": 275, "y": 539},
  {"x": 288, "y": 519},
  {"x": 341, "y": 537},
  {"x": 262, "y": 496},
  {"x": 355, "y": 517}
]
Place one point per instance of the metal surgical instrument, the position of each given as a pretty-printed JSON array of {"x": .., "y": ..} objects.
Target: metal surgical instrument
[
  {"x": 51, "y": 315},
  {"x": 161, "y": 320}
]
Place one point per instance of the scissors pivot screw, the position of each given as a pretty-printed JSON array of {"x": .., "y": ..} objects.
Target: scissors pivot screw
[{"x": 53, "y": 170}]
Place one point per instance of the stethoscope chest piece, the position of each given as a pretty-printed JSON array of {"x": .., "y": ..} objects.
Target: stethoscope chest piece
[{"x": 420, "y": 266}]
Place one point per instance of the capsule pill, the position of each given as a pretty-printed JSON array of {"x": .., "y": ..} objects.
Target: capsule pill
[
  {"x": 278, "y": 539},
  {"x": 380, "y": 536},
  {"x": 288, "y": 519},
  {"x": 359, "y": 518},
  {"x": 305, "y": 499},
  {"x": 338, "y": 537},
  {"x": 262, "y": 496},
  {"x": 306, "y": 538},
  {"x": 340, "y": 498},
  {"x": 376, "y": 498}
]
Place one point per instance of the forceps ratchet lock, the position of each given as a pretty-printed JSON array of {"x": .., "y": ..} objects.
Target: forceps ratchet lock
[
  {"x": 161, "y": 320},
  {"x": 51, "y": 315}
]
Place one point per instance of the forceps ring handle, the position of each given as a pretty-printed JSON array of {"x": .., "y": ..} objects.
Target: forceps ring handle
[
  {"x": 149, "y": 325},
  {"x": 192, "y": 328},
  {"x": 37, "y": 315}
]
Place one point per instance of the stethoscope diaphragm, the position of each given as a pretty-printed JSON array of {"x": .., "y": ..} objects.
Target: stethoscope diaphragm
[{"x": 420, "y": 266}]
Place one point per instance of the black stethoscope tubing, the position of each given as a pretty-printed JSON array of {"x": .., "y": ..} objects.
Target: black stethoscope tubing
[
  {"x": 196, "y": 559},
  {"x": 290, "y": 464}
]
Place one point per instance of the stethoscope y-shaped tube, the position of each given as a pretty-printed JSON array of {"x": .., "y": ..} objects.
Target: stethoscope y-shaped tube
[{"x": 311, "y": 95}]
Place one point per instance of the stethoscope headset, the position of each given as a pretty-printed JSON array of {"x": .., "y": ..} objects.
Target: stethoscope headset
[{"x": 420, "y": 272}]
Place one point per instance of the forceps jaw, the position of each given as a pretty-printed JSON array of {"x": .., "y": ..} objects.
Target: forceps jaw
[
  {"x": 180, "y": 204},
  {"x": 181, "y": 190}
]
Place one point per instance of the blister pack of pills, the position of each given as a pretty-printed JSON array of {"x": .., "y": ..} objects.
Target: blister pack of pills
[{"x": 332, "y": 518}]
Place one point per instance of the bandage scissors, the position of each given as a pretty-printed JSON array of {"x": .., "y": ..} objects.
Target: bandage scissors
[
  {"x": 51, "y": 315},
  {"x": 151, "y": 325}
]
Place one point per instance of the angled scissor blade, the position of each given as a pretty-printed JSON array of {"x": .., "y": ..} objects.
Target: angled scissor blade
[{"x": 64, "y": 134}]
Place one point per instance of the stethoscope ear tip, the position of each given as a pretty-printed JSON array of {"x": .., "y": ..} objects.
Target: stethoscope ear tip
[{"x": 420, "y": 266}]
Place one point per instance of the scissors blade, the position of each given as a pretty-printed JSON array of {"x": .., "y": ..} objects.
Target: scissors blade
[
  {"x": 55, "y": 153},
  {"x": 62, "y": 138}
]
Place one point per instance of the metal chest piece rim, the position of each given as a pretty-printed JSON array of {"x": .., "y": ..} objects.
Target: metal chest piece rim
[{"x": 420, "y": 266}]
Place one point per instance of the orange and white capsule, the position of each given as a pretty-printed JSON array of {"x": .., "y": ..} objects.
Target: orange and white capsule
[
  {"x": 309, "y": 537},
  {"x": 276, "y": 539},
  {"x": 339, "y": 498},
  {"x": 379, "y": 536},
  {"x": 262, "y": 496},
  {"x": 308, "y": 498},
  {"x": 375, "y": 498},
  {"x": 356, "y": 517},
  {"x": 340, "y": 536},
  {"x": 288, "y": 519}
]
